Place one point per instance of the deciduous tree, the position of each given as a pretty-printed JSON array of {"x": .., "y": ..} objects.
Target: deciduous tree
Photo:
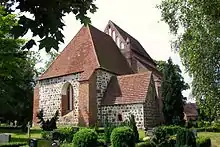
[{"x": 196, "y": 27}]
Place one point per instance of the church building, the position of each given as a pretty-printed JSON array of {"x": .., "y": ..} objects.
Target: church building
[{"x": 98, "y": 76}]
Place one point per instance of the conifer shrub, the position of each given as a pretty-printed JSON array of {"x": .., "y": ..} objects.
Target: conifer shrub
[
  {"x": 108, "y": 128},
  {"x": 122, "y": 137},
  {"x": 47, "y": 125},
  {"x": 85, "y": 138},
  {"x": 185, "y": 137},
  {"x": 132, "y": 125},
  {"x": 203, "y": 142}
]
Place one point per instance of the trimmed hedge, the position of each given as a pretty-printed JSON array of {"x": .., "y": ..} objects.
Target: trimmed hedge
[
  {"x": 203, "y": 142},
  {"x": 144, "y": 144},
  {"x": 85, "y": 138},
  {"x": 208, "y": 129},
  {"x": 185, "y": 137},
  {"x": 122, "y": 136},
  {"x": 13, "y": 144}
]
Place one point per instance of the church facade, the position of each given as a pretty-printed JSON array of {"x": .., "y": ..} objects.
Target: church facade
[{"x": 98, "y": 76}]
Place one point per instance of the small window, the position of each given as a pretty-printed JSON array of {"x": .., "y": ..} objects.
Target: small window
[{"x": 119, "y": 117}]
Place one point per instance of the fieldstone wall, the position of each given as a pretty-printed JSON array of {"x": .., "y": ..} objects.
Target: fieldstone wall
[
  {"x": 112, "y": 113},
  {"x": 50, "y": 97},
  {"x": 102, "y": 80}
]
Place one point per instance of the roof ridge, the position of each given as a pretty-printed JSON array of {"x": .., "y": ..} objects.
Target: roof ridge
[
  {"x": 130, "y": 75},
  {"x": 94, "y": 50}
]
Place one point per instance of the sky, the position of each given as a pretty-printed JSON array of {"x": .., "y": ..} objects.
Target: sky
[{"x": 139, "y": 18}]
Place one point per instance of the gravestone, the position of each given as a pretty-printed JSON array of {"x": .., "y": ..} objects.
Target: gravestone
[{"x": 5, "y": 138}]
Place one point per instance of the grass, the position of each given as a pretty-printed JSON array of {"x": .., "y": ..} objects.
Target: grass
[
  {"x": 215, "y": 137},
  {"x": 19, "y": 136}
]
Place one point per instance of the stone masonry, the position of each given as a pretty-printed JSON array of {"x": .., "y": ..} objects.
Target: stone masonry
[
  {"x": 112, "y": 113},
  {"x": 50, "y": 91},
  {"x": 102, "y": 80}
]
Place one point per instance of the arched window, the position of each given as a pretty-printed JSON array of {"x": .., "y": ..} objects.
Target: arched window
[
  {"x": 67, "y": 99},
  {"x": 110, "y": 31},
  {"x": 122, "y": 45},
  {"x": 70, "y": 97},
  {"x": 113, "y": 35},
  {"x": 118, "y": 41}
]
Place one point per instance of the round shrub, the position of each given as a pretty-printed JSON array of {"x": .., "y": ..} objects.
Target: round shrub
[
  {"x": 122, "y": 136},
  {"x": 85, "y": 138}
]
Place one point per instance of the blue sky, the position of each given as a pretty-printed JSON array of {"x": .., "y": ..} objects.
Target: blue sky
[{"x": 139, "y": 18}]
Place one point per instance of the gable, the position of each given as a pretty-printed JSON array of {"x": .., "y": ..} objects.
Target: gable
[
  {"x": 90, "y": 49},
  {"x": 135, "y": 46}
]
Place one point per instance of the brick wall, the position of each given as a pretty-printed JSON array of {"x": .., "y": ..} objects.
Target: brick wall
[{"x": 35, "y": 105}]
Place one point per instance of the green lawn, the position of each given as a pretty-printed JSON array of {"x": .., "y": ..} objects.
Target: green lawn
[
  {"x": 215, "y": 137},
  {"x": 19, "y": 136}
]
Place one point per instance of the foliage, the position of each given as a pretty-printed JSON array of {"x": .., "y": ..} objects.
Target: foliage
[
  {"x": 171, "y": 130},
  {"x": 132, "y": 125},
  {"x": 46, "y": 21},
  {"x": 48, "y": 125},
  {"x": 64, "y": 134},
  {"x": 160, "y": 137},
  {"x": 85, "y": 138},
  {"x": 122, "y": 136},
  {"x": 17, "y": 73},
  {"x": 172, "y": 87},
  {"x": 144, "y": 144},
  {"x": 185, "y": 137},
  {"x": 108, "y": 128},
  {"x": 46, "y": 135},
  {"x": 203, "y": 142},
  {"x": 195, "y": 25}
]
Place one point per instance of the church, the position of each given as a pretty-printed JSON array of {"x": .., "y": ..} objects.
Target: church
[{"x": 101, "y": 75}]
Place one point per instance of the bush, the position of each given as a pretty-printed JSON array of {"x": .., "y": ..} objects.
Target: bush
[
  {"x": 171, "y": 130},
  {"x": 101, "y": 143},
  {"x": 48, "y": 125},
  {"x": 185, "y": 137},
  {"x": 203, "y": 142},
  {"x": 122, "y": 136},
  {"x": 85, "y": 138},
  {"x": 160, "y": 137},
  {"x": 144, "y": 144},
  {"x": 64, "y": 134},
  {"x": 132, "y": 125},
  {"x": 46, "y": 135},
  {"x": 108, "y": 128}
]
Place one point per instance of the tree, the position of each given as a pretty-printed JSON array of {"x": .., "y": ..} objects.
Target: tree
[
  {"x": 195, "y": 24},
  {"x": 52, "y": 56},
  {"x": 132, "y": 125},
  {"x": 46, "y": 21},
  {"x": 173, "y": 100},
  {"x": 17, "y": 73}
]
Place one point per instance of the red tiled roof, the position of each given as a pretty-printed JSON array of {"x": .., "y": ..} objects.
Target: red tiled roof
[
  {"x": 88, "y": 50},
  {"x": 190, "y": 109},
  {"x": 135, "y": 45},
  {"x": 127, "y": 89}
]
